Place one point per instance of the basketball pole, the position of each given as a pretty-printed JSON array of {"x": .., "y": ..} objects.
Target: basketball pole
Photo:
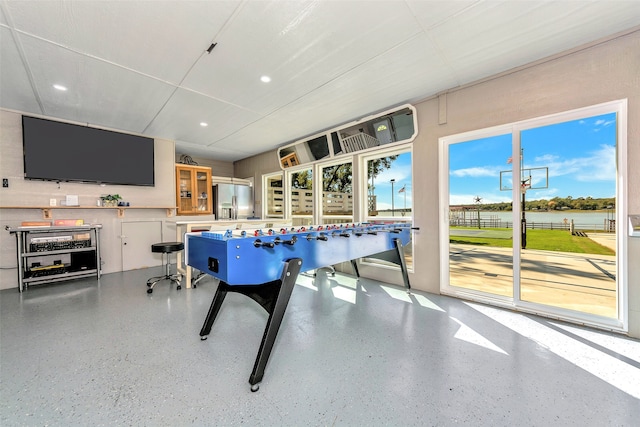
[{"x": 523, "y": 190}]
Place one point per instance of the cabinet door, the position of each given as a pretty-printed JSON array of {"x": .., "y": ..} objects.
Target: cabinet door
[
  {"x": 203, "y": 191},
  {"x": 137, "y": 238},
  {"x": 184, "y": 190},
  {"x": 193, "y": 190}
]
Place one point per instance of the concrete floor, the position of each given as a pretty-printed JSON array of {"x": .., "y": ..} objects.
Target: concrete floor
[{"x": 349, "y": 353}]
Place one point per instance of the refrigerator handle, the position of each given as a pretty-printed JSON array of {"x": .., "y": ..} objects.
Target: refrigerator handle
[{"x": 234, "y": 209}]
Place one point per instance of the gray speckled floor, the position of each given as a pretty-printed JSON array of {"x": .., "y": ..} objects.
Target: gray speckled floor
[{"x": 349, "y": 353}]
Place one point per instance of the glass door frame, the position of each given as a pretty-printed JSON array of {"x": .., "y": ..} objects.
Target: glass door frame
[
  {"x": 288, "y": 188},
  {"x": 363, "y": 199},
  {"x": 319, "y": 214},
  {"x": 265, "y": 195},
  {"x": 621, "y": 322}
]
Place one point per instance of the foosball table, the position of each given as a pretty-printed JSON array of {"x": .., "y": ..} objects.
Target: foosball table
[{"x": 264, "y": 265}]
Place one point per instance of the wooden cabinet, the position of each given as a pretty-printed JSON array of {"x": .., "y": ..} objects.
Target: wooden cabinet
[
  {"x": 193, "y": 190},
  {"x": 290, "y": 160}
]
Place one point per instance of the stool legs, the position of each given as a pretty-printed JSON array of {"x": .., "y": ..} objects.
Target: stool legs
[{"x": 167, "y": 276}]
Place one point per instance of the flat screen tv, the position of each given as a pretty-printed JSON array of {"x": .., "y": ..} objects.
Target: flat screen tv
[{"x": 56, "y": 151}]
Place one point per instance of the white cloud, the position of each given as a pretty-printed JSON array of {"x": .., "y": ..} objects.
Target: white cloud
[
  {"x": 546, "y": 158},
  {"x": 547, "y": 193},
  {"x": 476, "y": 172},
  {"x": 399, "y": 173},
  {"x": 604, "y": 123},
  {"x": 599, "y": 165}
]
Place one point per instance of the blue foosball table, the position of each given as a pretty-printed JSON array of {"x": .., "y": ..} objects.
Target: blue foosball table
[{"x": 264, "y": 265}]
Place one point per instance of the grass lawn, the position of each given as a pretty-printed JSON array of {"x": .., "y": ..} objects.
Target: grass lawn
[{"x": 546, "y": 240}]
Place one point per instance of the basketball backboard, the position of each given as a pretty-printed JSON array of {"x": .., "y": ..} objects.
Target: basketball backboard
[{"x": 532, "y": 179}]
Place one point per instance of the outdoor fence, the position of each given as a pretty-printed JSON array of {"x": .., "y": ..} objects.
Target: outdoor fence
[
  {"x": 607, "y": 225},
  {"x": 333, "y": 203}
]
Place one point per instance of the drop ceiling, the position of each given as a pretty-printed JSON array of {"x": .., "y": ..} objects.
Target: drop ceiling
[{"x": 144, "y": 67}]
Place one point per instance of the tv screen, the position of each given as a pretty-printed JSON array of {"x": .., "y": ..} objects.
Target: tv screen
[{"x": 56, "y": 151}]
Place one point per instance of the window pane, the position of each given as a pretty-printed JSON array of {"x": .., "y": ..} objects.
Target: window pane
[
  {"x": 390, "y": 195},
  {"x": 389, "y": 187},
  {"x": 274, "y": 197},
  {"x": 337, "y": 190},
  {"x": 302, "y": 192},
  {"x": 568, "y": 244},
  {"x": 480, "y": 239},
  {"x": 304, "y": 152},
  {"x": 385, "y": 129}
]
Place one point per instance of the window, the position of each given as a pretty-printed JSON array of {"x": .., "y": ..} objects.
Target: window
[
  {"x": 392, "y": 126},
  {"x": 337, "y": 193},
  {"x": 535, "y": 215},
  {"x": 301, "y": 196},
  {"x": 273, "y": 196},
  {"x": 389, "y": 191},
  {"x": 389, "y": 185}
]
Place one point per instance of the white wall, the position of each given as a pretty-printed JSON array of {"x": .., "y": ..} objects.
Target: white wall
[
  {"x": 218, "y": 167},
  {"x": 23, "y": 192},
  {"x": 254, "y": 167}
]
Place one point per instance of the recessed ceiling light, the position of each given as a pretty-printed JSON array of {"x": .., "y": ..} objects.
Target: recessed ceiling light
[
  {"x": 203, "y": 124},
  {"x": 265, "y": 79},
  {"x": 60, "y": 87}
]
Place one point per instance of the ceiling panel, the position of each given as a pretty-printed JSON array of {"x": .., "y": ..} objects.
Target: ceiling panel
[
  {"x": 272, "y": 130},
  {"x": 99, "y": 92},
  {"x": 388, "y": 80},
  {"x": 181, "y": 116},
  {"x": 432, "y": 13},
  {"x": 491, "y": 37},
  {"x": 159, "y": 38},
  {"x": 14, "y": 81},
  {"x": 301, "y": 47},
  {"x": 3, "y": 18}
]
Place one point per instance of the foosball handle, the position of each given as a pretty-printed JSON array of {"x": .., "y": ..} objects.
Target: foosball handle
[
  {"x": 290, "y": 242},
  {"x": 259, "y": 243}
]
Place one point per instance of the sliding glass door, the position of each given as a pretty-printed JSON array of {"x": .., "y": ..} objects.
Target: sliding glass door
[
  {"x": 569, "y": 259},
  {"x": 479, "y": 216},
  {"x": 533, "y": 215}
]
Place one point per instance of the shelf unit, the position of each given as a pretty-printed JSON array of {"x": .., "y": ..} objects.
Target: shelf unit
[
  {"x": 47, "y": 214},
  {"x": 80, "y": 244},
  {"x": 193, "y": 190}
]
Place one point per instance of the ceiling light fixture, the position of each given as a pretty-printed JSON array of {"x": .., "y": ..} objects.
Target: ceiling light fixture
[
  {"x": 60, "y": 87},
  {"x": 265, "y": 79},
  {"x": 204, "y": 124}
]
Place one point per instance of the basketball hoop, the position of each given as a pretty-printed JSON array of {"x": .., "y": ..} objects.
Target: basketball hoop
[{"x": 530, "y": 179}]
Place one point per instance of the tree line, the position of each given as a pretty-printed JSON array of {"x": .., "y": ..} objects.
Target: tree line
[{"x": 557, "y": 203}]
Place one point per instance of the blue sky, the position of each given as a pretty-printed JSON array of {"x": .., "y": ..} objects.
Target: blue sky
[
  {"x": 400, "y": 171},
  {"x": 579, "y": 155}
]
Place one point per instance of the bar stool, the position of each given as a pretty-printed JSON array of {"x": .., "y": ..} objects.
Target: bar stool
[{"x": 166, "y": 248}]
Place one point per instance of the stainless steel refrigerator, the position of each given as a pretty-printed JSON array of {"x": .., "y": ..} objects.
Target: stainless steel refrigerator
[{"x": 232, "y": 201}]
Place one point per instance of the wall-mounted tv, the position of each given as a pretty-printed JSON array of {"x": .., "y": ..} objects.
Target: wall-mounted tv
[{"x": 56, "y": 151}]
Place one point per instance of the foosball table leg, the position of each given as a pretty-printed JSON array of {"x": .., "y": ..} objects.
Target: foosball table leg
[
  {"x": 218, "y": 299},
  {"x": 354, "y": 264},
  {"x": 273, "y": 297},
  {"x": 403, "y": 264},
  {"x": 276, "y": 312}
]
